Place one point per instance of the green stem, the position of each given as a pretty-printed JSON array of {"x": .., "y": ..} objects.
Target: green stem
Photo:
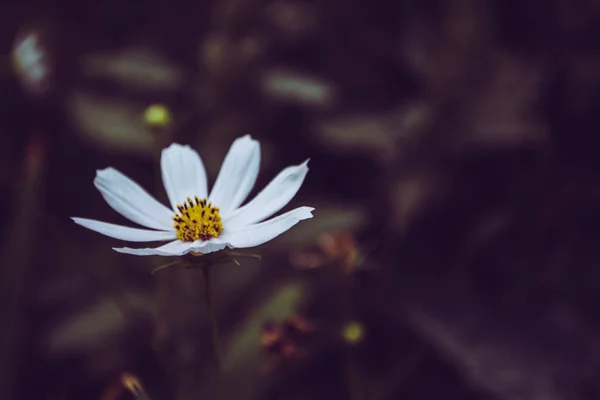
[{"x": 215, "y": 334}]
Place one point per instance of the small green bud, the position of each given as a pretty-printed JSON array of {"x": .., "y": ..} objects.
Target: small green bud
[{"x": 157, "y": 115}]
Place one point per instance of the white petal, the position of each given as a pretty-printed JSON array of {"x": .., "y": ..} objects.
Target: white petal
[
  {"x": 209, "y": 246},
  {"x": 276, "y": 195},
  {"x": 254, "y": 235},
  {"x": 237, "y": 175},
  {"x": 183, "y": 174},
  {"x": 123, "y": 232},
  {"x": 176, "y": 248},
  {"x": 128, "y": 199}
]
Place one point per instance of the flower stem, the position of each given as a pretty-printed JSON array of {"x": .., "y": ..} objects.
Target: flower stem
[{"x": 215, "y": 334}]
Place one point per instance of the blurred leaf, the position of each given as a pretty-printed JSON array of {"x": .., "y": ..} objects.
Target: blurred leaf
[
  {"x": 373, "y": 133},
  {"x": 111, "y": 123},
  {"x": 135, "y": 68},
  {"x": 281, "y": 304},
  {"x": 99, "y": 323},
  {"x": 282, "y": 84},
  {"x": 90, "y": 328},
  {"x": 243, "y": 350},
  {"x": 326, "y": 219},
  {"x": 356, "y": 132}
]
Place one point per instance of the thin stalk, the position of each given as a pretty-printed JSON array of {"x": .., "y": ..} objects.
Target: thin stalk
[
  {"x": 215, "y": 334},
  {"x": 352, "y": 370}
]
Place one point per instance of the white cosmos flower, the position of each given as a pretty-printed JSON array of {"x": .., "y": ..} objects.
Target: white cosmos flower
[{"x": 199, "y": 222}]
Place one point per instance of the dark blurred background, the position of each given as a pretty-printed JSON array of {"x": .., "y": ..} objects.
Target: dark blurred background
[{"x": 454, "y": 250}]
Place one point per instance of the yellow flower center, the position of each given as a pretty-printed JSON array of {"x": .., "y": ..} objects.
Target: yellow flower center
[{"x": 197, "y": 220}]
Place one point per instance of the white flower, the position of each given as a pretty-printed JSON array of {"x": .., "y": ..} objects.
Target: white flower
[{"x": 198, "y": 222}]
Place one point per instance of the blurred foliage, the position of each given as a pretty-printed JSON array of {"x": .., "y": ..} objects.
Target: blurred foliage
[
  {"x": 454, "y": 172},
  {"x": 114, "y": 124}
]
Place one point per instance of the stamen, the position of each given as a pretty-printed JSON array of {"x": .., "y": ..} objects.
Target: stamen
[{"x": 190, "y": 222}]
